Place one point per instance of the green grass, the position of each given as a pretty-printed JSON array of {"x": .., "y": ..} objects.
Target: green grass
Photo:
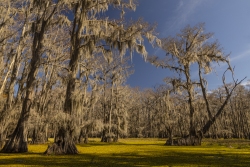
[{"x": 138, "y": 152}]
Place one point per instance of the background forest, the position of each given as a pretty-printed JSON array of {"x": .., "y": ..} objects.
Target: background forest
[{"x": 64, "y": 66}]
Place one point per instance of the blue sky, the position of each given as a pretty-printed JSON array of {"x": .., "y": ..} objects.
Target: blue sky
[{"x": 229, "y": 20}]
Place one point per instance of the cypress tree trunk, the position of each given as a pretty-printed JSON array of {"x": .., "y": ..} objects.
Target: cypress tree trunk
[
  {"x": 18, "y": 142},
  {"x": 8, "y": 109},
  {"x": 64, "y": 142},
  {"x": 86, "y": 138},
  {"x": 80, "y": 135},
  {"x": 2, "y": 139},
  {"x": 39, "y": 135},
  {"x": 193, "y": 138},
  {"x": 104, "y": 137}
]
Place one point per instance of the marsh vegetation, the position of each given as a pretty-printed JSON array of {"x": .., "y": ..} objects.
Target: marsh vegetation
[
  {"x": 63, "y": 73},
  {"x": 138, "y": 152}
]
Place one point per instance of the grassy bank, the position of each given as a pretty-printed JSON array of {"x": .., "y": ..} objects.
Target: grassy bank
[{"x": 138, "y": 152}]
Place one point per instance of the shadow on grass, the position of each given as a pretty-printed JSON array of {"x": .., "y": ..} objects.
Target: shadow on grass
[
  {"x": 169, "y": 158},
  {"x": 118, "y": 143}
]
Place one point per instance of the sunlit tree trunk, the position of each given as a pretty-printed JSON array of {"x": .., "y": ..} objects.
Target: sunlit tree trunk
[{"x": 18, "y": 141}]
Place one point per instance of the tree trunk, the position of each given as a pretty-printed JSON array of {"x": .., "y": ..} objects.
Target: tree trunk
[
  {"x": 39, "y": 135},
  {"x": 84, "y": 133},
  {"x": 18, "y": 142},
  {"x": 80, "y": 135},
  {"x": 2, "y": 139},
  {"x": 116, "y": 138},
  {"x": 193, "y": 138},
  {"x": 186, "y": 141},
  {"x": 170, "y": 141},
  {"x": 104, "y": 137},
  {"x": 64, "y": 143},
  {"x": 9, "y": 109},
  {"x": 86, "y": 138}
]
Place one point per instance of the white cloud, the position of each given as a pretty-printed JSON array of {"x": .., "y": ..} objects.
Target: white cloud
[
  {"x": 245, "y": 83},
  {"x": 185, "y": 10},
  {"x": 182, "y": 14},
  {"x": 241, "y": 55},
  {"x": 180, "y": 5}
]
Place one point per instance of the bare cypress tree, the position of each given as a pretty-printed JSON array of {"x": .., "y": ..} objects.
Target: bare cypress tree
[{"x": 190, "y": 47}]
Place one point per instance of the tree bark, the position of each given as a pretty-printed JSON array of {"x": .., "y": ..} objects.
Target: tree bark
[
  {"x": 8, "y": 109},
  {"x": 39, "y": 135},
  {"x": 18, "y": 142},
  {"x": 64, "y": 143}
]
